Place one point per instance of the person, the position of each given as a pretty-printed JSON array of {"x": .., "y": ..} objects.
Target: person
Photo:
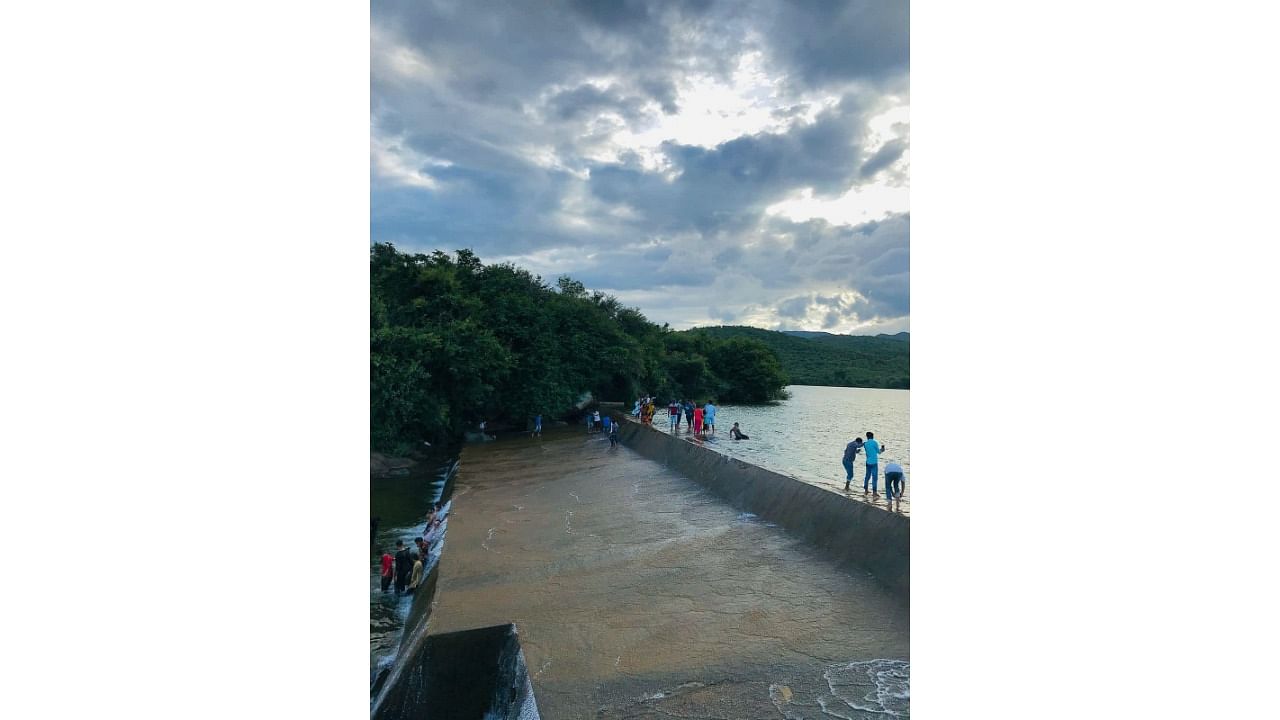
[
  {"x": 387, "y": 562},
  {"x": 736, "y": 433},
  {"x": 673, "y": 414},
  {"x": 404, "y": 566},
  {"x": 709, "y": 417},
  {"x": 537, "y": 425},
  {"x": 608, "y": 422},
  {"x": 873, "y": 449},
  {"x": 679, "y": 405},
  {"x": 697, "y": 421},
  {"x": 688, "y": 414},
  {"x": 635, "y": 412},
  {"x": 850, "y": 452},
  {"x": 415, "y": 577},
  {"x": 421, "y": 544},
  {"x": 894, "y": 479},
  {"x": 613, "y": 434}
]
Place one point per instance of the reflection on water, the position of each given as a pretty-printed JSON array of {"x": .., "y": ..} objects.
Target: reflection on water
[
  {"x": 805, "y": 436},
  {"x": 639, "y": 594}
]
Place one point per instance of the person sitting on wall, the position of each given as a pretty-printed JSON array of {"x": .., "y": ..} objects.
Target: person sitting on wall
[{"x": 736, "y": 433}]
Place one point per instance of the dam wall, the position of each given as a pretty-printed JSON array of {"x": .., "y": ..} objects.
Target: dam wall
[{"x": 854, "y": 534}]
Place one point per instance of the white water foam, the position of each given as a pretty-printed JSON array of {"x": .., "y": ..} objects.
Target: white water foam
[{"x": 872, "y": 686}]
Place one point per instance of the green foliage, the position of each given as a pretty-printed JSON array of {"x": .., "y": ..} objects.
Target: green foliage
[
  {"x": 813, "y": 358},
  {"x": 454, "y": 341}
]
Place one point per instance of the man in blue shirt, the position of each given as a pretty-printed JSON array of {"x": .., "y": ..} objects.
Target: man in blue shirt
[
  {"x": 709, "y": 418},
  {"x": 850, "y": 452},
  {"x": 873, "y": 449}
]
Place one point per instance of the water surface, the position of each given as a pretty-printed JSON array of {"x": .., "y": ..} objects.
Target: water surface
[
  {"x": 639, "y": 594},
  {"x": 805, "y": 435}
]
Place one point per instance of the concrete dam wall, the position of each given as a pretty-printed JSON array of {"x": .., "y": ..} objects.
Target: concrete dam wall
[{"x": 849, "y": 532}]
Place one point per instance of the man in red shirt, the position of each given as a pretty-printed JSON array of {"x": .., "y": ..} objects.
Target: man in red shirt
[{"x": 386, "y": 570}]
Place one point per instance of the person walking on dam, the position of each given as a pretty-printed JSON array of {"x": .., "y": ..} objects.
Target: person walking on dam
[
  {"x": 537, "y": 425},
  {"x": 404, "y": 566},
  {"x": 688, "y": 414},
  {"x": 388, "y": 563},
  {"x": 613, "y": 433},
  {"x": 873, "y": 449},
  {"x": 850, "y": 453}
]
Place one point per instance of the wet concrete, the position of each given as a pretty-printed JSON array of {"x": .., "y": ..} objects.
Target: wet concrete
[
  {"x": 639, "y": 593},
  {"x": 852, "y": 533}
]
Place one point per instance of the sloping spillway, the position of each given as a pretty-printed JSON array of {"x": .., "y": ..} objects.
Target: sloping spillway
[{"x": 638, "y": 594}]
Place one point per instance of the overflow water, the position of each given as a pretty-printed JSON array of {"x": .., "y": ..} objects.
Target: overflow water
[
  {"x": 401, "y": 504},
  {"x": 639, "y": 594}
]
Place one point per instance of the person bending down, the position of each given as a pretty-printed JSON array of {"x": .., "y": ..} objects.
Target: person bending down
[
  {"x": 850, "y": 452},
  {"x": 894, "y": 479}
]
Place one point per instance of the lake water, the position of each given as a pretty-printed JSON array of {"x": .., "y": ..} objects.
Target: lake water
[{"x": 805, "y": 436}]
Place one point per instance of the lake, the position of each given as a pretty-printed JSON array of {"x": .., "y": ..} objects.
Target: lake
[{"x": 805, "y": 435}]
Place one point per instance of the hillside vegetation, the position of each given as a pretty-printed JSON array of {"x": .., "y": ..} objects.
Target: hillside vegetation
[
  {"x": 815, "y": 358},
  {"x": 454, "y": 341}
]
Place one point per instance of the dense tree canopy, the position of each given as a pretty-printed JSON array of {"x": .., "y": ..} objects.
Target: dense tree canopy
[{"x": 454, "y": 340}]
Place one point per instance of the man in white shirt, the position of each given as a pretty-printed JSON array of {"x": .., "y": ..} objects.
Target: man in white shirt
[{"x": 894, "y": 481}]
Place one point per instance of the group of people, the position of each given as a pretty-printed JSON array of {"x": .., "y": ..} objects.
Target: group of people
[
  {"x": 894, "y": 476},
  {"x": 699, "y": 419},
  {"x": 405, "y": 568}
]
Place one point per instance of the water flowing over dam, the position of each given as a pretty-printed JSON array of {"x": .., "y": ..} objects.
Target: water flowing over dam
[{"x": 637, "y": 591}]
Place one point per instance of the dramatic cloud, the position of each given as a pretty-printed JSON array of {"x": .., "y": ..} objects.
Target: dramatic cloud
[{"x": 709, "y": 162}]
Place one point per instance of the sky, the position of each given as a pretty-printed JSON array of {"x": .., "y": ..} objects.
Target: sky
[{"x": 711, "y": 163}]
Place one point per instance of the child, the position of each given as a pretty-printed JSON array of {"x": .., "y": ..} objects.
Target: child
[{"x": 613, "y": 434}]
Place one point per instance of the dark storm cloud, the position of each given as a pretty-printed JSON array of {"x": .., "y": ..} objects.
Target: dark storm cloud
[
  {"x": 494, "y": 129},
  {"x": 887, "y": 155},
  {"x": 830, "y": 41},
  {"x": 730, "y": 185},
  {"x": 588, "y": 99}
]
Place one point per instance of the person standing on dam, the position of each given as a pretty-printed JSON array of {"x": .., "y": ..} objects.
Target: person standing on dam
[
  {"x": 873, "y": 449},
  {"x": 415, "y": 577},
  {"x": 709, "y": 417},
  {"x": 537, "y": 425},
  {"x": 850, "y": 453},
  {"x": 673, "y": 415},
  {"x": 404, "y": 566},
  {"x": 688, "y": 414},
  {"x": 613, "y": 433},
  {"x": 387, "y": 563}
]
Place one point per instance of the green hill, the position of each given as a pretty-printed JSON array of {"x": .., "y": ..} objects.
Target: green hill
[{"x": 818, "y": 358}]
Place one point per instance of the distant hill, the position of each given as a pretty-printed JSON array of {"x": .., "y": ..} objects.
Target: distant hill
[{"x": 820, "y": 358}]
